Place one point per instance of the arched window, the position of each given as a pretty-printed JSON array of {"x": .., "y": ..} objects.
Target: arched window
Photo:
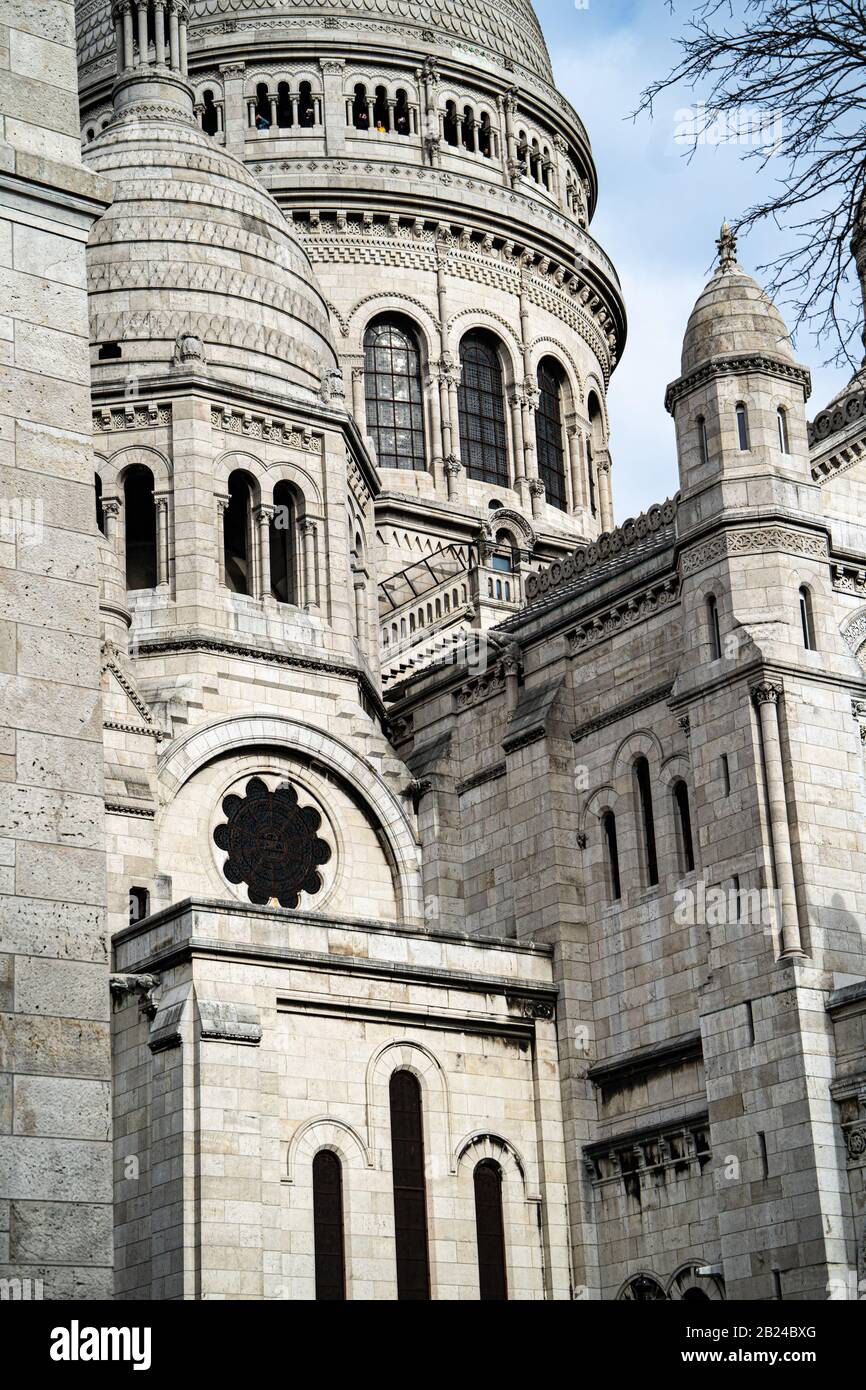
[
  {"x": 548, "y": 433},
  {"x": 360, "y": 108},
  {"x": 608, "y": 825},
  {"x": 283, "y": 535},
  {"x": 715, "y": 630},
  {"x": 209, "y": 117},
  {"x": 742, "y": 426},
  {"x": 328, "y": 1227},
  {"x": 402, "y": 123},
  {"x": 643, "y": 1288},
  {"x": 285, "y": 115},
  {"x": 237, "y": 533},
  {"x": 703, "y": 443},
  {"x": 467, "y": 134},
  {"x": 100, "y": 514},
  {"x": 90, "y": 134},
  {"x": 545, "y": 167},
  {"x": 392, "y": 388},
  {"x": 645, "y": 806},
  {"x": 806, "y": 621},
  {"x": 684, "y": 827},
  {"x": 485, "y": 136},
  {"x": 306, "y": 106},
  {"x": 451, "y": 124},
  {"x": 782, "y": 422},
  {"x": 263, "y": 107},
  {"x": 381, "y": 114},
  {"x": 594, "y": 446},
  {"x": 139, "y": 510},
  {"x": 410, "y": 1195},
  {"x": 481, "y": 410},
  {"x": 490, "y": 1229}
]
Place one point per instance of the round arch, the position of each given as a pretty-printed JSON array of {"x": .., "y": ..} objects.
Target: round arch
[
  {"x": 118, "y": 464},
  {"x": 686, "y": 1284},
  {"x": 406, "y": 1055},
  {"x": 325, "y": 1132},
  {"x": 481, "y": 1144},
  {"x": 184, "y": 756},
  {"x": 642, "y": 742}
]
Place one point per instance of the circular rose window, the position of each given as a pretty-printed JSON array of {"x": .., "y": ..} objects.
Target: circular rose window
[{"x": 271, "y": 843}]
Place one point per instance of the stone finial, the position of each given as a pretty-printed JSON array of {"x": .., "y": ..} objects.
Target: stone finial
[{"x": 727, "y": 245}]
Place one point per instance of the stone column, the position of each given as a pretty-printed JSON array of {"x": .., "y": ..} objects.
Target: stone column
[
  {"x": 359, "y": 583},
  {"x": 118, "y": 40},
  {"x": 263, "y": 533},
  {"x": 111, "y": 514},
  {"x": 575, "y": 463},
  {"x": 605, "y": 494},
  {"x": 142, "y": 33},
  {"x": 359, "y": 400},
  {"x": 162, "y": 560},
  {"x": 222, "y": 503},
  {"x": 236, "y": 116},
  {"x": 173, "y": 35},
  {"x": 159, "y": 31},
  {"x": 128, "y": 40},
  {"x": 333, "y": 70},
  {"x": 766, "y": 697},
  {"x": 182, "y": 43},
  {"x": 311, "y": 582}
]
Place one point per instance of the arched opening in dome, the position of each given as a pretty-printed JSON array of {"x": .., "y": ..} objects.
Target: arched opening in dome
[
  {"x": 594, "y": 446},
  {"x": 110, "y": 352},
  {"x": 535, "y": 161},
  {"x": 467, "y": 132},
  {"x": 306, "y": 107},
  {"x": 381, "y": 114},
  {"x": 90, "y": 134},
  {"x": 549, "y": 434},
  {"x": 481, "y": 409},
  {"x": 209, "y": 116},
  {"x": 485, "y": 136},
  {"x": 451, "y": 124},
  {"x": 139, "y": 511},
  {"x": 401, "y": 113},
  {"x": 392, "y": 389},
  {"x": 100, "y": 514},
  {"x": 360, "y": 108},
  {"x": 263, "y": 107},
  {"x": 545, "y": 167},
  {"x": 358, "y": 565},
  {"x": 237, "y": 533},
  {"x": 284, "y": 105},
  {"x": 283, "y": 540}
]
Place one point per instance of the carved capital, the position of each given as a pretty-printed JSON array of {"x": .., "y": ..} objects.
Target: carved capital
[{"x": 766, "y": 693}]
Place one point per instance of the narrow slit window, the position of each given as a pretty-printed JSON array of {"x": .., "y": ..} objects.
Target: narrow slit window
[
  {"x": 329, "y": 1246},
  {"x": 742, "y": 427},
  {"x": 806, "y": 620},
  {"x": 684, "y": 822},
  {"x": 702, "y": 440},
  {"x": 410, "y": 1195},
  {"x": 492, "y": 1275},
  {"x": 782, "y": 421},
  {"x": 715, "y": 630},
  {"x": 608, "y": 825},
  {"x": 645, "y": 802}
]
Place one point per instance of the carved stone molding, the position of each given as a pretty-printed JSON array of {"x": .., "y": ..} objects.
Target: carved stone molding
[
  {"x": 609, "y": 545},
  {"x": 620, "y": 615},
  {"x": 737, "y": 364},
  {"x": 749, "y": 541}
]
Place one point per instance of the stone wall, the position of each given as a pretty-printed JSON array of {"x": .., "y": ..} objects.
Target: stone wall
[{"x": 55, "y": 1126}]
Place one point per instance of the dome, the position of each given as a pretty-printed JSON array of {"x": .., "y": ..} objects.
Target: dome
[
  {"x": 509, "y": 29},
  {"x": 733, "y": 315},
  {"x": 194, "y": 264}
]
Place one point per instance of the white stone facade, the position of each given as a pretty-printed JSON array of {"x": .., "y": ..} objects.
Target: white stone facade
[{"x": 422, "y": 772}]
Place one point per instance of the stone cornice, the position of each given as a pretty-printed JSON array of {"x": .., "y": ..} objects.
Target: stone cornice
[
  {"x": 736, "y": 364},
  {"x": 618, "y": 1071}
]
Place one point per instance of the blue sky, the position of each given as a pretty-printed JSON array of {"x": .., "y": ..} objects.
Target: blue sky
[{"x": 657, "y": 217}]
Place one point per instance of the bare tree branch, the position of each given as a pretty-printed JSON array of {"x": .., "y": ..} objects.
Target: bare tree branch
[{"x": 791, "y": 74}]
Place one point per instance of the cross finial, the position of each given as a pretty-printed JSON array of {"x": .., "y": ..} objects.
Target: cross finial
[{"x": 727, "y": 245}]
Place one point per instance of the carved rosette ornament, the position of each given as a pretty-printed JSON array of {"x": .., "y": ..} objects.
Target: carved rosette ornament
[{"x": 271, "y": 843}]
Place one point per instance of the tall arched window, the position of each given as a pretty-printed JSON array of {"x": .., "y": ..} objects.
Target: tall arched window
[
  {"x": 782, "y": 422},
  {"x": 715, "y": 630},
  {"x": 100, "y": 514},
  {"x": 209, "y": 115},
  {"x": 392, "y": 388},
  {"x": 451, "y": 124},
  {"x": 328, "y": 1244},
  {"x": 263, "y": 104},
  {"x": 684, "y": 827},
  {"x": 742, "y": 426},
  {"x": 283, "y": 545},
  {"x": 237, "y": 533},
  {"x": 381, "y": 114},
  {"x": 139, "y": 511},
  {"x": 806, "y": 621},
  {"x": 548, "y": 432},
  {"x": 360, "y": 108},
  {"x": 647, "y": 819},
  {"x": 492, "y": 1275},
  {"x": 608, "y": 825},
  {"x": 481, "y": 410},
  {"x": 285, "y": 114},
  {"x": 703, "y": 442},
  {"x": 306, "y": 106},
  {"x": 410, "y": 1195},
  {"x": 467, "y": 135},
  {"x": 593, "y": 448}
]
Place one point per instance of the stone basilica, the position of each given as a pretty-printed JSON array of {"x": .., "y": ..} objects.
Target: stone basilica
[{"x": 413, "y": 885}]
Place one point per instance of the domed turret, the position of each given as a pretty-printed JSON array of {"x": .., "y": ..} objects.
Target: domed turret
[
  {"x": 194, "y": 265},
  {"x": 733, "y": 315}
]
